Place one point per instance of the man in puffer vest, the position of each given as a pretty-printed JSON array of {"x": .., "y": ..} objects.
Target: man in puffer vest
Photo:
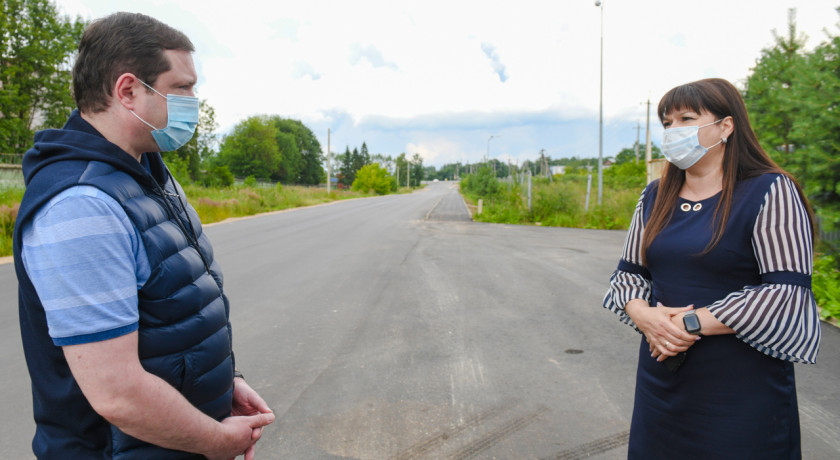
[{"x": 124, "y": 321}]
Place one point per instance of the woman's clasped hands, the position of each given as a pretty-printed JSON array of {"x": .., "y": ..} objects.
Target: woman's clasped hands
[{"x": 662, "y": 327}]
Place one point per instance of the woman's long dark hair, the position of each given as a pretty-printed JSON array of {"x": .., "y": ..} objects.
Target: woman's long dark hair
[{"x": 743, "y": 156}]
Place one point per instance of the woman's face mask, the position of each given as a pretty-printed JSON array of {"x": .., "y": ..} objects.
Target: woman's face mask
[
  {"x": 182, "y": 119},
  {"x": 681, "y": 146}
]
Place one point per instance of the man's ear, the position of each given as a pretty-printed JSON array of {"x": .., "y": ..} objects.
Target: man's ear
[{"x": 126, "y": 90}]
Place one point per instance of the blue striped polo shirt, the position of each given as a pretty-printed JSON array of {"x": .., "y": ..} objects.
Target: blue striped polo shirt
[{"x": 87, "y": 263}]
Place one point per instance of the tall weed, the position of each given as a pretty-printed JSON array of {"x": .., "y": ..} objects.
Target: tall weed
[
  {"x": 826, "y": 285},
  {"x": 560, "y": 202},
  {"x": 7, "y": 227},
  {"x": 9, "y": 204}
]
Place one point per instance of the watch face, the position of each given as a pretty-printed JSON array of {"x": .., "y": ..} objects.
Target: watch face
[{"x": 692, "y": 324}]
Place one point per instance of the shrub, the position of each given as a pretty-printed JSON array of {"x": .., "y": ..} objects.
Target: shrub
[
  {"x": 372, "y": 178},
  {"x": 481, "y": 184},
  {"x": 626, "y": 175},
  {"x": 179, "y": 167},
  {"x": 218, "y": 176},
  {"x": 549, "y": 202}
]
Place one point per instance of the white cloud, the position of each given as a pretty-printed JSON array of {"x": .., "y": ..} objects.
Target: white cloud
[
  {"x": 370, "y": 54},
  {"x": 302, "y": 69},
  {"x": 430, "y": 149},
  {"x": 496, "y": 62}
]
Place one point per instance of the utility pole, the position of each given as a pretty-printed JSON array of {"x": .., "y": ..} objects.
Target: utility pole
[
  {"x": 647, "y": 146},
  {"x": 529, "y": 190},
  {"x": 545, "y": 169},
  {"x": 599, "y": 4},
  {"x": 329, "y": 163},
  {"x": 638, "y": 127}
]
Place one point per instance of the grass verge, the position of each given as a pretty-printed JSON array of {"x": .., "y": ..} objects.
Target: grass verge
[
  {"x": 212, "y": 204},
  {"x": 218, "y": 204}
]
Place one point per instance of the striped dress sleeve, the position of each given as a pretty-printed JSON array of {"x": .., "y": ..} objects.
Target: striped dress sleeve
[
  {"x": 630, "y": 280},
  {"x": 778, "y": 317}
]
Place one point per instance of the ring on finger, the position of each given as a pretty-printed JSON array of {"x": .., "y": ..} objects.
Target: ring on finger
[{"x": 667, "y": 344}]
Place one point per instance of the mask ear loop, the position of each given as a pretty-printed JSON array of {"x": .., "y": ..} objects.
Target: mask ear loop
[
  {"x": 138, "y": 116},
  {"x": 144, "y": 121}
]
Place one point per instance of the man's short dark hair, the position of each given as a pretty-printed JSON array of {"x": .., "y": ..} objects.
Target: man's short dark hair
[{"x": 117, "y": 44}]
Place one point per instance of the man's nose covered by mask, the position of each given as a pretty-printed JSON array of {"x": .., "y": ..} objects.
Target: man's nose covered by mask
[{"x": 182, "y": 119}]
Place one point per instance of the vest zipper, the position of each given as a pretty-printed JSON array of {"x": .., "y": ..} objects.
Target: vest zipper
[{"x": 189, "y": 235}]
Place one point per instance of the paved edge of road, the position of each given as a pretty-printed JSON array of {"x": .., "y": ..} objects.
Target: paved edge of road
[
  {"x": 9, "y": 259},
  {"x": 279, "y": 211}
]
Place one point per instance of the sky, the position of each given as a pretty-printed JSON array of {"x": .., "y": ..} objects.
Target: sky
[{"x": 439, "y": 78}]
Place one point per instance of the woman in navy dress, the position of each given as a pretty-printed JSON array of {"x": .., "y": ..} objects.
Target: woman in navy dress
[{"x": 716, "y": 275}]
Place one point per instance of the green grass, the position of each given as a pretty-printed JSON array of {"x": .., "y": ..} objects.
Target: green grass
[
  {"x": 218, "y": 204},
  {"x": 560, "y": 203},
  {"x": 212, "y": 204},
  {"x": 10, "y": 197}
]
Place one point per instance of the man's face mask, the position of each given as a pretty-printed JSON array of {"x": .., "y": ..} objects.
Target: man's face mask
[{"x": 182, "y": 114}]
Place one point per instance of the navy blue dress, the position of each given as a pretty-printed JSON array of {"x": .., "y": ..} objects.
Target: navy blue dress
[{"x": 733, "y": 397}]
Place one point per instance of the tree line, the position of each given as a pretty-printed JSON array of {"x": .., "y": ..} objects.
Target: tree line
[
  {"x": 538, "y": 167},
  {"x": 37, "y": 46},
  {"x": 406, "y": 172}
]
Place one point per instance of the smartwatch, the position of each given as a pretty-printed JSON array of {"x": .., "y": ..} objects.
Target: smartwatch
[{"x": 692, "y": 323}]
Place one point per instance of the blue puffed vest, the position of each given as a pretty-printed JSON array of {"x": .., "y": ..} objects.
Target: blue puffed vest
[{"x": 184, "y": 332}]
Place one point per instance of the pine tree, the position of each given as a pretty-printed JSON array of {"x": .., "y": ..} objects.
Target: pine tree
[
  {"x": 348, "y": 174},
  {"x": 793, "y": 98},
  {"x": 770, "y": 99},
  {"x": 365, "y": 157}
]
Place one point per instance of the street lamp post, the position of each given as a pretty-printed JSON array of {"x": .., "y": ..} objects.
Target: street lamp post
[
  {"x": 487, "y": 157},
  {"x": 600, "y": 5}
]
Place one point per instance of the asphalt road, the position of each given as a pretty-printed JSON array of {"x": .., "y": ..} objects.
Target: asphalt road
[{"x": 396, "y": 328}]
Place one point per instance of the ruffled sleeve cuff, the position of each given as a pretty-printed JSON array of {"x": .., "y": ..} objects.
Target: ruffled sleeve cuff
[
  {"x": 779, "y": 320},
  {"x": 627, "y": 285}
]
